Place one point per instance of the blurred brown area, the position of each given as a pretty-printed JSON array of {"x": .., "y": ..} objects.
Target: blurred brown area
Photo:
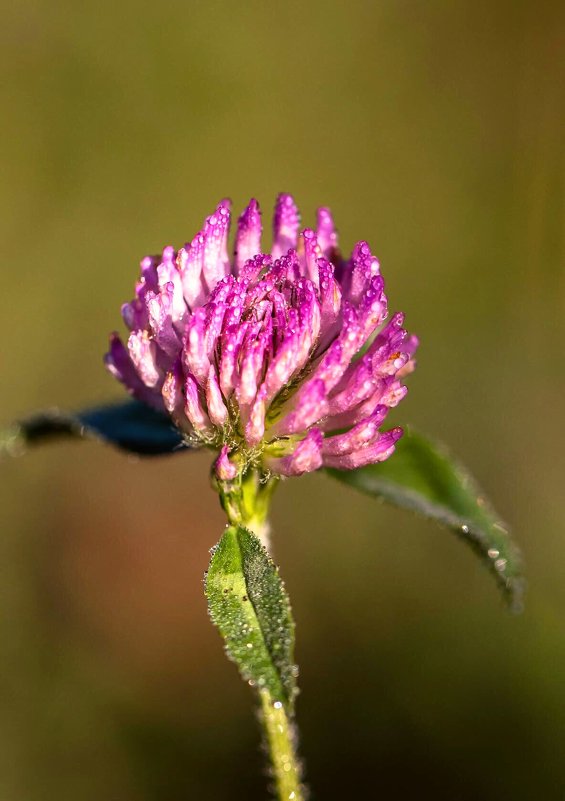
[{"x": 432, "y": 129}]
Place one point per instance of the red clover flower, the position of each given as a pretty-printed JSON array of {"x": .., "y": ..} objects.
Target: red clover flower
[{"x": 281, "y": 360}]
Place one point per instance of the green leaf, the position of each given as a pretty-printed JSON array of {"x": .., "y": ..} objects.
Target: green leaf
[
  {"x": 248, "y": 603},
  {"x": 422, "y": 477},
  {"x": 131, "y": 426}
]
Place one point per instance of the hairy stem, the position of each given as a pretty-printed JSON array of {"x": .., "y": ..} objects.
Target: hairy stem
[
  {"x": 280, "y": 738},
  {"x": 246, "y": 501}
]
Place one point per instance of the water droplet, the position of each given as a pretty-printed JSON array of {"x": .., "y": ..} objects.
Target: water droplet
[
  {"x": 493, "y": 553},
  {"x": 465, "y": 529},
  {"x": 277, "y": 705}
]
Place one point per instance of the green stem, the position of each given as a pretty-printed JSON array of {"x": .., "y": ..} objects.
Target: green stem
[
  {"x": 246, "y": 501},
  {"x": 280, "y": 737}
]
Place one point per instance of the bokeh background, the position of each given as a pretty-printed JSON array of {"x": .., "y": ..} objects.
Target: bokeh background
[{"x": 435, "y": 131}]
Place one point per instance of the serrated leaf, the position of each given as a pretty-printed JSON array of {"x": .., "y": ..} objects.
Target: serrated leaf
[
  {"x": 132, "y": 426},
  {"x": 249, "y": 604},
  {"x": 421, "y": 476}
]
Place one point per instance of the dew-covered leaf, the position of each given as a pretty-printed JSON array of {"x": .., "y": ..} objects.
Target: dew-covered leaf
[
  {"x": 132, "y": 426},
  {"x": 249, "y": 605},
  {"x": 421, "y": 476}
]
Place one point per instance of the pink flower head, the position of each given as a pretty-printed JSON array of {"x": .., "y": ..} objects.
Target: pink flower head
[{"x": 280, "y": 361}]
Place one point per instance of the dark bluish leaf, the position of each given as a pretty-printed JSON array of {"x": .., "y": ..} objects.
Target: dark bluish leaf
[
  {"x": 422, "y": 477},
  {"x": 132, "y": 426}
]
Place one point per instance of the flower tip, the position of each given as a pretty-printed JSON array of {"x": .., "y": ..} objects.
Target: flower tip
[
  {"x": 224, "y": 469},
  {"x": 171, "y": 391},
  {"x": 413, "y": 343},
  {"x": 250, "y": 217},
  {"x": 307, "y": 455},
  {"x": 285, "y": 199},
  {"x": 286, "y": 222},
  {"x": 323, "y": 214}
]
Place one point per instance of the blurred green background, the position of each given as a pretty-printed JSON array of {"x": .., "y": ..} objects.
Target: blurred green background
[{"x": 434, "y": 130}]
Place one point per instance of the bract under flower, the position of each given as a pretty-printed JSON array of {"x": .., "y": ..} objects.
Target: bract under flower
[{"x": 280, "y": 361}]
